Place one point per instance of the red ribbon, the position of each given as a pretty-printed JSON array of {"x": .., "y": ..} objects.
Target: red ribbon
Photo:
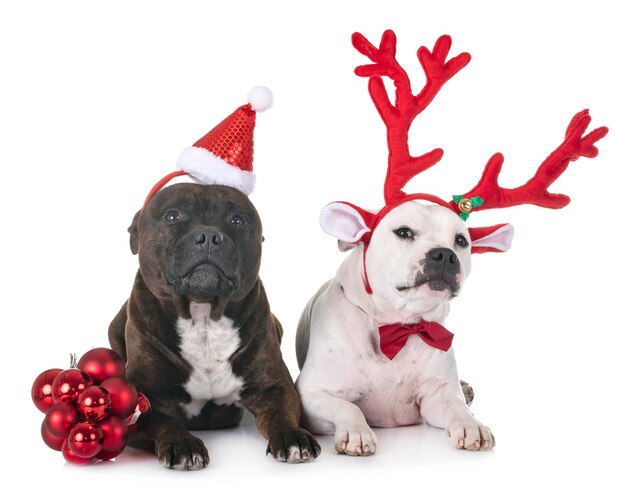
[{"x": 393, "y": 337}]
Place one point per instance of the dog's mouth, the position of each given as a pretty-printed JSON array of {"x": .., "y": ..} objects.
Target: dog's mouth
[
  {"x": 204, "y": 279},
  {"x": 438, "y": 283}
]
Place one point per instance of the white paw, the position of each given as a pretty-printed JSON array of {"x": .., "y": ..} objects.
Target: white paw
[
  {"x": 471, "y": 435},
  {"x": 355, "y": 440}
]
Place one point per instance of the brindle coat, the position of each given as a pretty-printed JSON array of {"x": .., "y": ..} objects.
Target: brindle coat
[{"x": 144, "y": 333}]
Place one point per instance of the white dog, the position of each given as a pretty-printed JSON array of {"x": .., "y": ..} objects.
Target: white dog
[
  {"x": 371, "y": 343},
  {"x": 417, "y": 260}
]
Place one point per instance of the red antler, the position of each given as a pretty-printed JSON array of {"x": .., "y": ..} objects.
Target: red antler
[
  {"x": 401, "y": 165},
  {"x": 488, "y": 194}
]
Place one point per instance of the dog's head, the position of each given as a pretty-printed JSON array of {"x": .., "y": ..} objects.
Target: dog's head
[
  {"x": 419, "y": 255},
  {"x": 197, "y": 242},
  {"x": 416, "y": 258}
]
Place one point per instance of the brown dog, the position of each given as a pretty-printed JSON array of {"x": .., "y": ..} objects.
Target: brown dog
[{"x": 197, "y": 332}]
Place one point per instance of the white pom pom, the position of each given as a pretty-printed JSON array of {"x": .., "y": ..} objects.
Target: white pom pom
[{"x": 260, "y": 98}]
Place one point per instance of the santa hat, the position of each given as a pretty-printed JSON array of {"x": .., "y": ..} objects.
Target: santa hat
[{"x": 224, "y": 155}]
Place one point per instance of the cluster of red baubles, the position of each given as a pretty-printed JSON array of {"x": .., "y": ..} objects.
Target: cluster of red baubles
[{"x": 89, "y": 409}]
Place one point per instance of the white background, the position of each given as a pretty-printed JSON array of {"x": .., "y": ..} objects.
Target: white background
[{"x": 97, "y": 101}]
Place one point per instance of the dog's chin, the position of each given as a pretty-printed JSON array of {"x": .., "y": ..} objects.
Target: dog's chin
[{"x": 204, "y": 283}]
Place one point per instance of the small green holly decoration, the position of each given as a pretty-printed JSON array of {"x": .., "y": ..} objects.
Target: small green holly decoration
[{"x": 467, "y": 204}]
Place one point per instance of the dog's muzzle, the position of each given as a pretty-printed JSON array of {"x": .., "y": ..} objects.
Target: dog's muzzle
[
  {"x": 441, "y": 271},
  {"x": 204, "y": 263}
]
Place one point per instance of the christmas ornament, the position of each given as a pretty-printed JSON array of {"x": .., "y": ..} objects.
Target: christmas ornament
[
  {"x": 109, "y": 455},
  {"x": 94, "y": 403},
  {"x": 88, "y": 422},
  {"x": 60, "y": 418},
  {"x": 41, "y": 392},
  {"x": 123, "y": 396},
  {"x": 53, "y": 442},
  {"x": 224, "y": 155},
  {"x": 114, "y": 433},
  {"x": 85, "y": 440},
  {"x": 72, "y": 457},
  {"x": 101, "y": 364},
  {"x": 69, "y": 384},
  {"x": 143, "y": 406}
]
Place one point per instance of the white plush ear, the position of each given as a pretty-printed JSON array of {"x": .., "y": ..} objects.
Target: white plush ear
[
  {"x": 344, "y": 222},
  {"x": 491, "y": 239}
]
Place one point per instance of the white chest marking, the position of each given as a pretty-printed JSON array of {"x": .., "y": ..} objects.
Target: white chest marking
[{"x": 208, "y": 345}]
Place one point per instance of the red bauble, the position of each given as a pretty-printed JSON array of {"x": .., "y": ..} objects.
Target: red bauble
[
  {"x": 108, "y": 455},
  {"x": 123, "y": 396},
  {"x": 72, "y": 457},
  {"x": 85, "y": 440},
  {"x": 41, "y": 392},
  {"x": 102, "y": 364},
  {"x": 69, "y": 384},
  {"x": 143, "y": 404},
  {"x": 60, "y": 418},
  {"x": 56, "y": 443},
  {"x": 94, "y": 403},
  {"x": 115, "y": 434}
]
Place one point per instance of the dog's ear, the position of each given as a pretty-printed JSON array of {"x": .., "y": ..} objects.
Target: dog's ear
[
  {"x": 346, "y": 222},
  {"x": 491, "y": 239},
  {"x": 134, "y": 234}
]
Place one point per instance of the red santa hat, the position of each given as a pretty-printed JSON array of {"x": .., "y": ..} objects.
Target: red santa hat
[{"x": 225, "y": 154}]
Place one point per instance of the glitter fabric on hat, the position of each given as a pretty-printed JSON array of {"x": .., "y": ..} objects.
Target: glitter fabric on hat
[{"x": 232, "y": 139}]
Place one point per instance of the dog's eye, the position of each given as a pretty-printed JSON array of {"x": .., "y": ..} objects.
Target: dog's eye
[
  {"x": 461, "y": 241},
  {"x": 172, "y": 216},
  {"x": 404, "y": 233},
  {"x": 237, "y": 220}
]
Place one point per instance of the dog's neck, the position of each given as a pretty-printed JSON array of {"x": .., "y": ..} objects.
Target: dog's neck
[
  {"x": 237, "y": 308},
  {"x": 378, "y": 306}
]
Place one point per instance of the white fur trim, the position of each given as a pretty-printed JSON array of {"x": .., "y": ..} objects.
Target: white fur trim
[
  {"x": 500, "y": 239},
  {"x": 207, "y": 168},
  {"x": 343, "y": 222},
  {"x": 260, "y": 98}
]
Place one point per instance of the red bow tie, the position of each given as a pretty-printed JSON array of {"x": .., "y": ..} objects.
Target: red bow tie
[{"x": 394, "y": 336}]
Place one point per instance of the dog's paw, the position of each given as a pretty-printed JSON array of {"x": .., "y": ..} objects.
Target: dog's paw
[
  {"x": 185, "y": 453},
  {"x": 293, "y": 446},
  {"x": 470, "y": 435},
  {"x": 355, "y": 440},
  {"x": 468, "y": 392}
]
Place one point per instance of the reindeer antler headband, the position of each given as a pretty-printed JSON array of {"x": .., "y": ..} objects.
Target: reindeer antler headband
[{"x": 353, "y": 224}]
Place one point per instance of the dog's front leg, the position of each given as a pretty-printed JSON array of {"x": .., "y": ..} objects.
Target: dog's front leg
[
  {"x": 443, "y": 405},
  {"x": 324, "y": 413},
  {"x": 276, "y": 408}
]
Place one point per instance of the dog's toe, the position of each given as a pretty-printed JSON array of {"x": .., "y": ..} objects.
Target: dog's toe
[
  {"x": 293, "y": 446},
  {"x": 185, "y": 454}
]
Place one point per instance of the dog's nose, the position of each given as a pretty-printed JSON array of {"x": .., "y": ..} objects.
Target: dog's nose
[
  {"x": 209, "y": 238},
  {"x": 443, "y": 257}
]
